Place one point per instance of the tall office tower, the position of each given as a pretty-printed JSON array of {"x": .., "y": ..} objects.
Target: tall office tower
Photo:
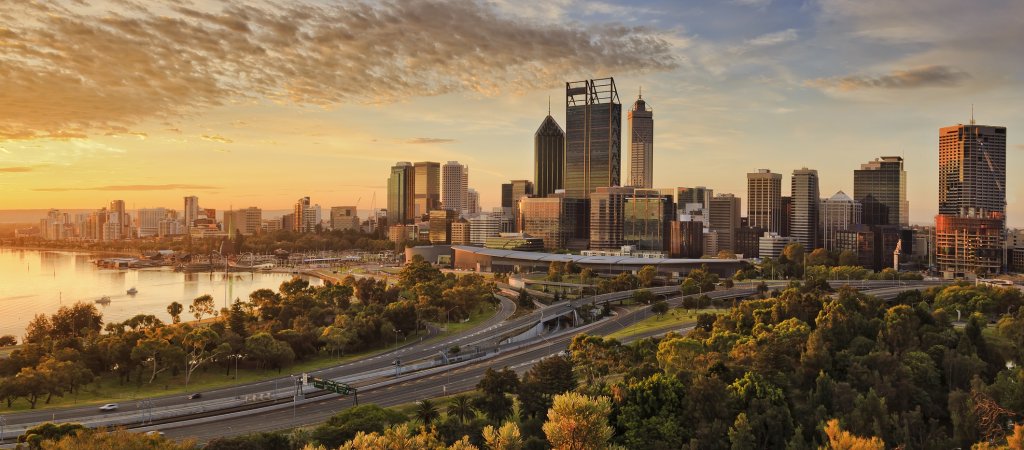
[
  {"x": 764, "y": 200},
  {"x": 454, "y": 186},
  {"x": 787, "y": 214},
  {"x": 300, "y": 208},
  {"x": 593, "y": 136},
  {"x": 686, "y": 239},
  {"x": 344, "y": 218},
  {"x": 428, "y": 187},
  {"x": 440, "y": 230},
  {"x": 972, "y": 200},
  {"x": 401, "y": 194},
  {"x": 117, "y": 209},
  {"x": 191, "y": 210},
  {"x": 556, "y": 219},
  {"x": 148, "y": 221},
  {"x": 517, "y": 190},
  {"x": 881, "y": 188},
  {"x": 607, "y": 209},
  {"x": 699, "y": 194},
  {"x": 804, "y": 222},
  {"x": 838, "y": 213},
  {"x": 548, "y": 157},
  {"x": 472, "y": 202},
  {"x": 647, "y": 218},
  {"x": 641, "y": 144},
  {"x": 724, "y": 219}
]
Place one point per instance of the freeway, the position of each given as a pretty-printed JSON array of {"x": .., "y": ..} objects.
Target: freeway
[{"x": 409, "y": 388}]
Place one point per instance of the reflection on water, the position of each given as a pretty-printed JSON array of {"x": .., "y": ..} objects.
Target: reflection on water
[{"x": 34, "y": 282}]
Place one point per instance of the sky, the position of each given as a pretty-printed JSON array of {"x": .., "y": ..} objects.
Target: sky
[{"x": 250, "y": 103}]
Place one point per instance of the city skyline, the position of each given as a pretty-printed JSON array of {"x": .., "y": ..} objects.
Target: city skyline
[{"x": 908, "y": 71}]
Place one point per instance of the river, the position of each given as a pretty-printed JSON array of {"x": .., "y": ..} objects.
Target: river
[{"x": 41, "y": 281}]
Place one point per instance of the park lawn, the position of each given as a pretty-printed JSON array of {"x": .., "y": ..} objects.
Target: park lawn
[
  {"x": 673, "y": 318},
  {"x": 106, "y": 389},
  {"x": 483, "y": 312}
]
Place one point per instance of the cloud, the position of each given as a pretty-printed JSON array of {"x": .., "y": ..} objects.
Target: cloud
[
  {"x": 425, "y": 140},
  {"x": 133, "y": 187},
  {"x": 776, "y": 38},
  {"x": 759, "y": 4},
  {"x": 16, "y": 169},
  {"x": 217, "y": 138},
  {"x": 899, "y": 79},
  {"x": 70, "y": 72}
]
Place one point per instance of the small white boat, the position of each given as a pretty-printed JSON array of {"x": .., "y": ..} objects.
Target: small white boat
[
  {"x": 133, "y": 291},
  {"x": 104, "y": 300}
]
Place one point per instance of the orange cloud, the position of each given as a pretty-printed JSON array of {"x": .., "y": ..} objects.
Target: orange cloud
[{"x": 133, "y": 187}]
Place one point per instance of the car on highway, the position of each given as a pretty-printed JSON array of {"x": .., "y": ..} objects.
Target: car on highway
[
  {"x": 155, "y": 433},
  {"x": 109, "y": 407},
  {"x": 194, "y": 396}
]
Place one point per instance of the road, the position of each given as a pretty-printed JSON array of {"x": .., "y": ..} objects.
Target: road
[{"x": 414, "y": 387}]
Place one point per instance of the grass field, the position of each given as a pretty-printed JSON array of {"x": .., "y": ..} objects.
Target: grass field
[
  {"x": 674, "y": 318},
  {"x": 107, "y": 389}
]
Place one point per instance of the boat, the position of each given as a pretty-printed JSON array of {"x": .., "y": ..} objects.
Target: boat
[
  {"x": 133, "y": 291},
  {"x": 104, "y": 300}
]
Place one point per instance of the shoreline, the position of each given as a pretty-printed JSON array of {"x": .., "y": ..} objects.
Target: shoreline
[{"x": 67, "y": 249}]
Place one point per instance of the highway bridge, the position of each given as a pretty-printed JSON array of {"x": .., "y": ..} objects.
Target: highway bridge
[{"x": 271, "y": 405}]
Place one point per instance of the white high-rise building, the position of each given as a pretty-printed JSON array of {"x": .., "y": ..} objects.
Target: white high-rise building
[
  {"x": 191, "y": 211},
  {"x": 484, "y": 226},
  {"x": 838, "y": 213},
  {"x": 148, "y": 221},
  {"x": 455, "y": 187}
]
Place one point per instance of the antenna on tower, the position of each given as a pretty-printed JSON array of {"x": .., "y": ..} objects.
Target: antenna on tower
[
  {"x": 641, "y": 92},
  {"x": 972, "y": 113},
  {"x": 549, "y": 105}
]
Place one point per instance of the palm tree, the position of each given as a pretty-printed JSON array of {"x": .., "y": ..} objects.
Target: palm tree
[
  {"x": 427, "y": 412},
  {"x": 462, "y": 407}
]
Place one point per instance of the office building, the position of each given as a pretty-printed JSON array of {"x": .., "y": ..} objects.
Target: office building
[
  {"x": 558, "y": 220},
  {"x": 764, "y": 200},
  {"x": 441, "y": 226},
  {"x": 344, "y": 218},
  {"x": 307, "y": 216},
  {"x": 246, "y": 221},
  {"x": 401, "y": 194},
  {"x": 515, "y": 241},
  {"x": 646, "y": 219},
  {"x": 699, "y": 194},
  {"x": 427, "y": 187},
  {"x": 641, "y": 144},
  {"x": 803, "y": 223},
  {"x": 723, "y": 220},
  {"x": 881, "y": 188},
  {"x": 593, "y": 136},
  {"x": 548, "y": 157},
  {"x": 472, "y": 202},
  {"x": 748, "y": 241},
  {"x": 686, "y": 239},
  {"x": 484, "y": 226},
  {"x": 710, "y": 243},
  {"x": 148, "y": 221},
  {"x": 461, "y": 232},
  {"x": 455, "y": 187},
  {"x": 787, "y": 214},
  {"x": 970, "y": 225},
  {"x": 771, "y": 245},
  {"x": 607, "y": 211},
  {"x": 517, "y": 189},
  {"x": 191, "y": 211},
  {"x": 838, "y": 212}
]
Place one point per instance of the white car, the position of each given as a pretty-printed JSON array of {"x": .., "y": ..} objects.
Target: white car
[
  {"x": 155, "y": 433},
  {"x": 109, "y": 407}
]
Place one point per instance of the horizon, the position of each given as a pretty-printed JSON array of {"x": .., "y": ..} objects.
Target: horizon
[{"x": 735, "y": 86}]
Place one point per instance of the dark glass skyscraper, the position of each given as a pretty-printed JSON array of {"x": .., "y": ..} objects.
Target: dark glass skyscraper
[
  {"x": 401, "y": 194},
  {"x": 881, "y": 188},
  {"x": 593, "y": 137},
  {"x": 548, "y": 157}
]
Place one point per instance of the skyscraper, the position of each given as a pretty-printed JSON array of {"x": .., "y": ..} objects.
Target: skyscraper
[
  {"x": 401, "y": 194},
  {"x": 117, "y": 210},
  {"x": 548, "y": 157},
  {"x": 428, "y": 187},
  {"x": 641, "y": 144},
  {"x": 593, "y": 136},
  {"x": 646, "y": 220},
  {"x": 699, "y": 194},
  {"x": 764, "y": 200},
  {"x": 723, "y": 220},
  {"x": 307, "y": 216},
  {"x": 881, "y": 188},
  {"x": 191, "y": 210},
  {"x": 516, "y": 191},
  {"x": 607, "y": 209},
  {"x": 838, "y": 213},
  {"x": 558, "y": 220},
  {"x": 804, "y": 222},
  {"x": 454, "y": 187},
  {"x": 972, "y": 200},
  {"x": 472, "y": 202}
]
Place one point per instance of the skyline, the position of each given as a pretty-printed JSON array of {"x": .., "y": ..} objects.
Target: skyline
[{"x": 738, "y": 86}]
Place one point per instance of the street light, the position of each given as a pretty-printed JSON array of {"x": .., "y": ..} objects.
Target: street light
[{"x": 3, "y": 424}]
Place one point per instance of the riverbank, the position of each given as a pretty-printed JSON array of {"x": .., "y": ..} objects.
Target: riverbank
[{"x": 102, "y": 253}]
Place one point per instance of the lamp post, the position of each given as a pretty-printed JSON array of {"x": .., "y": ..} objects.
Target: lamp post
[{"x": 3, "y": 424}]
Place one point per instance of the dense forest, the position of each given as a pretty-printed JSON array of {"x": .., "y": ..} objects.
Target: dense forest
[{"x": 70, "y": 349}]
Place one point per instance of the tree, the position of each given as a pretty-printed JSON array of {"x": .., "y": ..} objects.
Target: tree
[
  {"x": 646, "y": 275},
  {"x": 848, "y": 258},
  {"x": 554, "y": 271},
  {"x": 48, "y": 431},
  {"x": 400, "y": 437},
  {"x": 8, "y": 340},
  {"x": 150, "y": 351},
  {"x": 496, "y": 385},
  {"x": 269, "y": 352},
  {"x": 198, "y": 346},
  {"x": 426, "y": 412},
  {"x": 202, "y": 306},
  {"x": 38, "y": 330},
  {"x": 461, "y": 407},
  {"x": 843, "y": 440},
  {"x": 524, "y": 300},
  {"x": 546, "y": 379},
  {"x": 345, "y": 425},
  {"x": 578, "y": 422},
  {"x": 85, "y": 439},
  {"x": 659, "y": 307},
  {"x": 819, "y": 257},
  {"x": 505, "y": 438},
  {"x": 643, "y": 297}
]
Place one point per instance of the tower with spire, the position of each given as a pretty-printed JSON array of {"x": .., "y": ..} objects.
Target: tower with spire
[
  {"x": 641, "y": 144},
  {"x": 548, "y": 156}
]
